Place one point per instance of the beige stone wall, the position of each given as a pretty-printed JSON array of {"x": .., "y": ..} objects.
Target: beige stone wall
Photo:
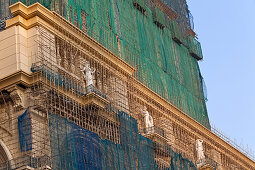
[
  {"x": 45, "y": 42},
  {"x": 8, "y": 59},
  {"x": 17, "y": 46}
]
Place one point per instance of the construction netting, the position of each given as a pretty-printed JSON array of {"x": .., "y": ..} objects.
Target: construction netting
[
  {"x": 73, "y": 147},
  {"x": 25, "y": 131},
  {"x": 181, "y": 8},
  {"x": 144, "y": 37}
]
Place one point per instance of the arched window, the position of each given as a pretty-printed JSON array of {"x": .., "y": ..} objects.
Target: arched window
[{"x": 5, "y": 155}]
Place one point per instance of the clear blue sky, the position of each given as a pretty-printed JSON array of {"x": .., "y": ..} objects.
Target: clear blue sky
[{"x": 226, "y": 30}]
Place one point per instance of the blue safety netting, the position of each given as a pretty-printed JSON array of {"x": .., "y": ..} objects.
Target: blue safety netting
[
  {"x": 25, "y": 131},
  {"x": 178, "y": 162},
  {"x": 138, "y": 150},
  {"x": 73, "y": 147}
]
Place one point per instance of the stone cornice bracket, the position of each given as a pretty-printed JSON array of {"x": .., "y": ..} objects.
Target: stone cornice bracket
[{"x": 17, "y": 96}]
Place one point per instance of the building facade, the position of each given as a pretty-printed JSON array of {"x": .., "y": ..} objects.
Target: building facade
[{"x": 105, "y": 85}]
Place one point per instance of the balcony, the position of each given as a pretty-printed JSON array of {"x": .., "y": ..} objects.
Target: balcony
[
  {"x": 194, "y": 46},
  {"x": 156, "y": 134},
  {"x": 158, "y": 17},
  {"x": 95, "y": 97},
  {"x": 93, "y": 89},
  {"x": 140, "y": 5},
  {"x": 176, "y": 32},
  {"x": 91, "y": 95}
]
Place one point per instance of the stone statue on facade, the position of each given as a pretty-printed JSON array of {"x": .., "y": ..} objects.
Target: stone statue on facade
[
  {"x": 200, "y": 150},
  {"x": 88, "y": 74},
  {"x": 148, "y": 120}
]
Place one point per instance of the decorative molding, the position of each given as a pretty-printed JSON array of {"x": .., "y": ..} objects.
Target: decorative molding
[{"x": 17, "y": 96}]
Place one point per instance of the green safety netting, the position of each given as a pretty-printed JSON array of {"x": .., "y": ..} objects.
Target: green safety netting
[
  {"x": 184, "y": 16},
  {"x": 194, "y": 47},
  {"x": 141, "y": 4},
  {"x": 158, "y": 16},
  {"x": 165, "y": 66},
  {"x": 176, "y": 31}
]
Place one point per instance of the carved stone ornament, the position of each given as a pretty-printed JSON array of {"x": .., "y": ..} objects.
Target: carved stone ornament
[
  {"x": 17, "y": 96},
  {"x": 3, "y": 113}
]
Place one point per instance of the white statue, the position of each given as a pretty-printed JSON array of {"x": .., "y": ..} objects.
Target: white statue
[
  {"x": 88, "y": 74},
  {"x": 148, "y": 120},
  {"x": 200, "y": 150}
]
